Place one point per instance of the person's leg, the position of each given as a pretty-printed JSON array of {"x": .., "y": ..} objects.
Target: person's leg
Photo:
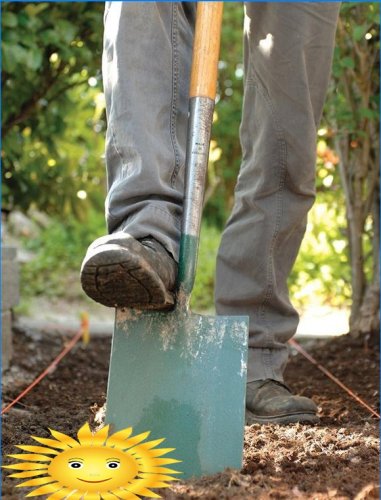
[
  {"x": 146, "y": 71},
  {"x": 288, "y": 54}
]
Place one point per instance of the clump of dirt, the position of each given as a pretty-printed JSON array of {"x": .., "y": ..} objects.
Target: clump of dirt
[{"x": 337, "y": 459}]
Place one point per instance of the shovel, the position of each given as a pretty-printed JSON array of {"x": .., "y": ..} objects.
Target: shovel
[{"x": 177, "y": 374}]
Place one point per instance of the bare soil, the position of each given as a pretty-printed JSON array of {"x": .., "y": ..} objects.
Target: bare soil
[{"x": 337, "y": 459}]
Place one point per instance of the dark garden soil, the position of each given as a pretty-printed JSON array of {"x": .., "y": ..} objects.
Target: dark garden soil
[{"x": 337, "y": 459}]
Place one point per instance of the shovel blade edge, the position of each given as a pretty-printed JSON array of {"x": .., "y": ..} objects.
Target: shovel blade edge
[{"x": 181, "y": 376}]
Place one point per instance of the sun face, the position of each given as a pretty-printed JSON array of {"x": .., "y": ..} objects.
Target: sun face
[
  {"x": 93, "y": 468},
  {"x": 97, "y": 466}
]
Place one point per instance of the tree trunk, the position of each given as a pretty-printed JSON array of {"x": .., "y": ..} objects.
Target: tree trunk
[{"x": 356, "y": 141}]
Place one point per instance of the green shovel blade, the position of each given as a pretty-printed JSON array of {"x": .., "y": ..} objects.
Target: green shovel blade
[{"x": 181, "y": 376}]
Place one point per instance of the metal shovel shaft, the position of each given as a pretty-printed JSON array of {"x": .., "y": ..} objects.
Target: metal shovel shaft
[
  {"x": 201, "y": 115},
  {"x": 201, "y": 107}
]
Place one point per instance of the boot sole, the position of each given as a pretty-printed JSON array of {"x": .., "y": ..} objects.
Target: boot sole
[
  {"x": 302, "y": 418},
  {"x": 115, "y": 277}
]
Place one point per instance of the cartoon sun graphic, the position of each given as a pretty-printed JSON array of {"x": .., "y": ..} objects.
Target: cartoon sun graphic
[{"x": 97, "y": 466}]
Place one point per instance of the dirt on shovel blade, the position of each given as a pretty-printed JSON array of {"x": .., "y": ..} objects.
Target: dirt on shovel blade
[{"x": 337, "y": 459}]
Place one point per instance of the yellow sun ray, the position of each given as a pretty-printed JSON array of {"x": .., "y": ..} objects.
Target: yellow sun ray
[
  {"x": 85, "y": 436},
  {"x": 92, "y": 496},
  {"x": 160, "y": 452},
  {"x": 38, "y": 449},
  {"x": 166, "y": 461},
  {"x": 77, "y": 495},
  {"x": 69, "y": 493},
  {"x": 157, "y": 461},
  {"x": 126, "y": 495},
  {"x": 58, "y": 495},
  {"x": 26, "y": 466},
  {"x": 45, "y": 490},
  {"x": 128, "y": 443},
  {"x": 31, "y": 457},
  {"x": 74, "y": 495},
  {"x": 52, "y": 443},
  {"x": 144, "y": 455},
  {"x": 158, "y": 477},
  {"x": 36, "y": 482},
  {"x": 158, "y": 484},
  {"x": 109, "y": 496},
  {"x": 118, "y": 437},
  {"x": 29, "y": 473},
  {"x": 150, "y": 466},
  {"x": 62, "y": 493},
  {"x": 141, "y": 490},
  {"x": 64, "y": 438},
  {"x": 158, "y": 470},
  {"x": 100, "y": 437},
  {"x": 150, "y": 482},
  {"x": 145, "y": 446}
]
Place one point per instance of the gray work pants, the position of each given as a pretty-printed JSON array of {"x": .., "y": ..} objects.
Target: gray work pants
[{"x": 146, "y": 69}]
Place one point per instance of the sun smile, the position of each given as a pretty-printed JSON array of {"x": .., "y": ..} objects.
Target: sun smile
[{"x": 101, "y": 481}]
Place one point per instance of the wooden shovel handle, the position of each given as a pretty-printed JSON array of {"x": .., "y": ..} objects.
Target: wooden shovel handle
[{"x": 206, "y": 49}]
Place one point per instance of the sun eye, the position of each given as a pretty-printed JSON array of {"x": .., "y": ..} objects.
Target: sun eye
[
  {"x": 113, "y": 465},
  {"x": 75, "y": 465}
]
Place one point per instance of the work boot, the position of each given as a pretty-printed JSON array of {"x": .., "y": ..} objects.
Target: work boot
[
  {"x": 119, "y": 271},
  {"x": 271, "y": 402}
]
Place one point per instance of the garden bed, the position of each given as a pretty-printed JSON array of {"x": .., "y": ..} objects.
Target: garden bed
[{"x": 337, "y": 459}]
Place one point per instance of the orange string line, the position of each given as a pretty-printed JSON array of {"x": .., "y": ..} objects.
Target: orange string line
[
  {"x": 80, "y": 332},
  {"x": 326, "y": 372},
  {"x": 52, "y": 365}
]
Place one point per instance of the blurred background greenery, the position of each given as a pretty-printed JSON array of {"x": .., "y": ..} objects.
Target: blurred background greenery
[{"x": 53, "y": 126}]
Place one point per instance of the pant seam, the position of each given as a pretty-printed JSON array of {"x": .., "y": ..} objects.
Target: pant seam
[
  {"x": 115, "y": 143},
  {"x": 174, "y": 97},
  {"x": 267, "y": 363},
  {"x": 282, "y": 152}
]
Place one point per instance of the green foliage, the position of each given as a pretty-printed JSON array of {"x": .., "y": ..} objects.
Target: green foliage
[
  {"x": 203, "y": 291},
  {"x": 59, "y": 251},
  {"x": 52, "y": 118},
  {"x": 356, "y": 59},
  {"x": 322, "y": 269},
  {"x": 352, "y": 130}
]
